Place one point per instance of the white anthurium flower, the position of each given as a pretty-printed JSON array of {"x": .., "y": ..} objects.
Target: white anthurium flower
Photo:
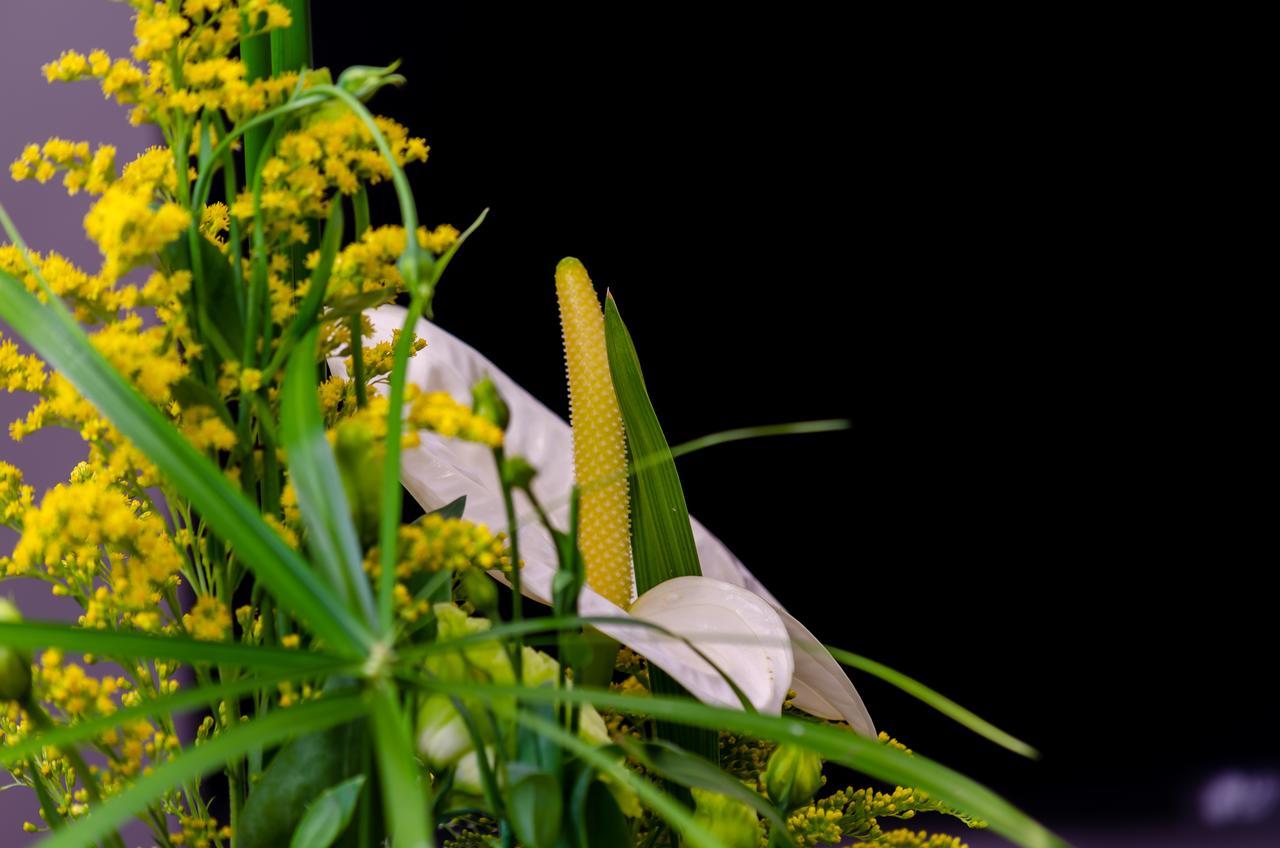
[{"x": 734, "y": 621}]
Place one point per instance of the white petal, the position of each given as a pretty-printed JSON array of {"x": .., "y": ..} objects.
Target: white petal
[
  {"x": 735, "y": 629},
  {"x": 440, "y": 470}
]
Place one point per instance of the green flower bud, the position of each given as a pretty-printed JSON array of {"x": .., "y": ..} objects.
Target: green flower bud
[
  {"x": 417, "y": 267},
  {"x": 732, "y": 821},
  {"x": 15, "y": 665},
  {"x": 480, "y": 590},
  {"x": 364, "y": 80},
  {"x": 489, "y": 405},
  {"x": 793, "y": 776},
  {"x": 442, "y": 734},
  {"x": 518, "y": 473}
]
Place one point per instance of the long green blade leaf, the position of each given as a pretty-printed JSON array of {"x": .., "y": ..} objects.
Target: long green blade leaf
[
  {"x": 184, "y": 699},
  {"x": 60, "y": 341},
  {"x": 662, "y": 543},
  {"x": 834, "y": 744},
  {"x": 34, "y": 635},
  {"x": 404, "y": 792},
  {"x": 194, "y": 762},
  {"x": 322, "y": 500},
  {"x": 938, "y": 701}
]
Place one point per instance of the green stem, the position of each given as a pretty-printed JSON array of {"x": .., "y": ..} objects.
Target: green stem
[{"x": 360, "y": 210}]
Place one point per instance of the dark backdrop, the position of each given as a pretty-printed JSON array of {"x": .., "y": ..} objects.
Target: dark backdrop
[{"x": 1036, "y": 510}]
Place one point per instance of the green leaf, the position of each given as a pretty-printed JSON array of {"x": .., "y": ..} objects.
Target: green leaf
[
  {"x": 661, "y": 535},
  {"x": 837, "y": 745},
  {"x": 183, "y": 699},
  {"x": 194, "y": 762},
  {"x": 317, "y": 285},
  {"x": 35, "y": 635},
  {"x": 328, "y": 817},
  {"x": 453, "y": 509},
  {"x": 595, "y": 814},
  {"x": 662, "y": 543},
  {"x": 404, "y": 791},
  {"x": 680, "y": 766},
  {"x": 53, "y": 333},
  {"x": 322, "y": 499},
  {"x": 534, "y": 805},
  {"x": 938, "y": 701},
  {"x": 679, "y": 817},
  {"x": 221, "y": 301},
  {"x": 190, "y": 392},
  {"x": 300, "y": 771}
]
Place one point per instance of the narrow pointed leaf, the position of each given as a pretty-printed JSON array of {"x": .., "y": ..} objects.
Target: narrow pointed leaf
[
  {"x": 62, "y": 343},
  {"x": 662, "y": 543},
  {"x": 328, "y": 817},
  {"x": 35, "y": 635},
  {"x": 322, "y": 499},
  {"x": 183, "y": 699},
  {"x": 938, "y": 701}
]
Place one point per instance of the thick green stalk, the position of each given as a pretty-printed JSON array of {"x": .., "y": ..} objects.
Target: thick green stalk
[
  {"x": 291, "y": 47},
  {"x": 360, "y": 211}
]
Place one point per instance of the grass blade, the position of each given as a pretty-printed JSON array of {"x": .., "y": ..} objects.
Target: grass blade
[
  {"x": 51, "y": 331},
  {"x": 34, "y": 635},
  {"x": 322, "y": 499},
  {"x": 195, "y": 762},
  {"x": 404, "y": 794},
  {"x": 184, "y": 699},
  {"x": 837, "y": 745},
  {"x": 662, "y": 543},
  {"x": 938, "y": 701}
]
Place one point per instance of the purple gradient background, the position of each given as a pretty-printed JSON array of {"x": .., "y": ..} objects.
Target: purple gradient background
[{"x": 33, "y": 32}]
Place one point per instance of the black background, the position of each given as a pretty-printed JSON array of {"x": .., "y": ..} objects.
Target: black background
[{"x": 1048, "y": 504}]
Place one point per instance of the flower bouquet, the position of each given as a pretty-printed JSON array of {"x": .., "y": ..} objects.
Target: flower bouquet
[{"x": 272, "y": 649}]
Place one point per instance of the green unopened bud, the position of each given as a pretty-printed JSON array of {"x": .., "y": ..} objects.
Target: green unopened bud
[
  {"x": 732, "y": 821},
  {"x": 15, "y": 664},
  {"x": 364, "y": 80},
  {"x": 480, "y": 590},
  {"x": 417, "y": 267},
  {"x": 489, "y": 405},
  {"x": 442, "y": 734},
  {"x": 793, "y": 776},
  {"x": 518, "y": 473}
]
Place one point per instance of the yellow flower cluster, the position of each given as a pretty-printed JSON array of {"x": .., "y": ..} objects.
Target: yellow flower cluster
[
  {"x": 440, "y": 413},
  {"x": 16, "y": 497},
  {"x": 854, "y": 813},
  {"x": 185, "y": 68},
  {"x": 199, "y": 831},
  {"x": 433, "y": 544},
  {"x": 903, "y": 838},
  {"x": 143, "y": 356},
  {"x": 311, "y": 163},
  {"x": 134, "y": 220},
  {"x": 19, "y": 372},
  {"x": 370, "y": 263},
  {"x": 102, "y": 548},
  {"x": 209, "y": 619},
  {"x": 81, "y": 170}
]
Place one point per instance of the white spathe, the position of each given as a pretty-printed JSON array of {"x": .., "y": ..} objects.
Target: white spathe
[{"x": 441, "y": 470}]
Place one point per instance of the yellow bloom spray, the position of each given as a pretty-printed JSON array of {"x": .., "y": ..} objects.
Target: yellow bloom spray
[{"x": 599, "y": 451}]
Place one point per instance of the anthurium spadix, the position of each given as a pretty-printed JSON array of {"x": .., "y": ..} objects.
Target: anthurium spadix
[{"x": 438, "y": 471}]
